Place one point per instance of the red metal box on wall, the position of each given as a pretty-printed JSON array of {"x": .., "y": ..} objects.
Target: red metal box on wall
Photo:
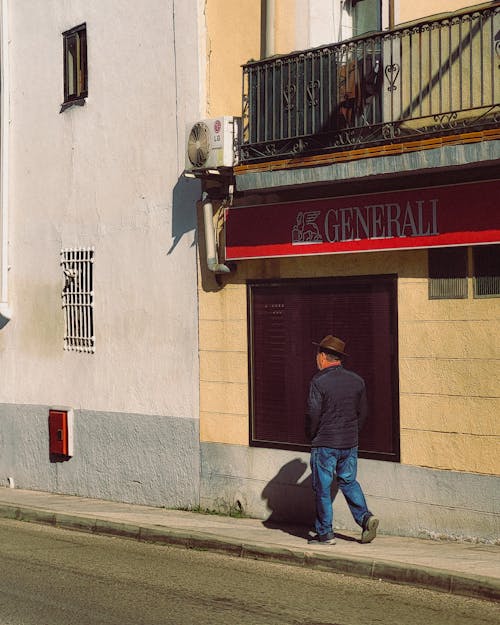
[{"x": 61, "y": 432}]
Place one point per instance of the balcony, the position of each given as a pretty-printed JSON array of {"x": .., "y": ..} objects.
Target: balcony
[{"x": 424, "y": 82}]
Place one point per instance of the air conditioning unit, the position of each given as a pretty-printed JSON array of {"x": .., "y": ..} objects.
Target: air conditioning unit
[{"x": 212, "y": 144}]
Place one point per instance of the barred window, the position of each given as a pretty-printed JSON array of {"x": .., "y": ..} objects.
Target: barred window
[
  {"x": 78, "y": 299},
  {"x": 448, "y": 273}
]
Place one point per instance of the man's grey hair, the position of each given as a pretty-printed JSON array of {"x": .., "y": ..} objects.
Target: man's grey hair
[{"x": 332, "y": 356}]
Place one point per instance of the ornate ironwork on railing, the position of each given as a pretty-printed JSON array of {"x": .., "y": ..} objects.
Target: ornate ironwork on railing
[{"x": 424, "y": 79}]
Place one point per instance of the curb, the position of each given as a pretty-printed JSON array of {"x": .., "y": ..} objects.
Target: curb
[{"x": 477, "y": 586}]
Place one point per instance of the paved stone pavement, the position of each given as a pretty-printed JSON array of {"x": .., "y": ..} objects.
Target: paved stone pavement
[{"x": 463, "y": 568}]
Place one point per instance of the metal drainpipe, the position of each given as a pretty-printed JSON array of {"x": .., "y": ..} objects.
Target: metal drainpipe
[
  {"x": 5, "y": 311},
  {"x": 391, "y": 14},
  {"x": 212, "y": 258},
  {"x": 270, "y": 18}
]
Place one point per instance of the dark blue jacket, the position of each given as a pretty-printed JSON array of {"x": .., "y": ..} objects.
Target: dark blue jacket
[{"x": 336, "y": 408}]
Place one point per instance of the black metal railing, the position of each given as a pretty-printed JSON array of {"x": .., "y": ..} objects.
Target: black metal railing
[{"x": 424, "y": 79}]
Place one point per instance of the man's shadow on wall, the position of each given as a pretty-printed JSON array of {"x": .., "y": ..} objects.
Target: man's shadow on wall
[{"x": 291, "y": 501}]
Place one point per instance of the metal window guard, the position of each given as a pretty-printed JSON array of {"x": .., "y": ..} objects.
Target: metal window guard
[{"x": 426, "y": 79}]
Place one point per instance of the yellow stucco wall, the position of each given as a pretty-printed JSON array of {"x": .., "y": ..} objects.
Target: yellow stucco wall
[
  {"x": 411, "y": 10},
  {"x": 449, "y": 352},
  {"x": 234, "y": 38},
  {"x": 449, "y": 371},
  {"x": 285, "y": 26},
  {"x": 449, "y": 360}
]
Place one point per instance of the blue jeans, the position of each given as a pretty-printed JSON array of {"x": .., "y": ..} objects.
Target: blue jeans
[{"x": 325, "y": 464}]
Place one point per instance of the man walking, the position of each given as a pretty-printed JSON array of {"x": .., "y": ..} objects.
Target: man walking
[{"x": 336, "y": 411}]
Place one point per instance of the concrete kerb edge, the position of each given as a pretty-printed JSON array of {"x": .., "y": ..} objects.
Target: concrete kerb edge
[
  {"x": 189, "y": 540},
  {"x": 359, "y": 567},
  {"x": 475, "y": 586},
  {"x": 434, "y": 579},
  {"x": 76, "y": 523},
  {"x": 30, "y": 515},
  {"x": 9, "y": 512},
  {"x": 273, "y": 554}
]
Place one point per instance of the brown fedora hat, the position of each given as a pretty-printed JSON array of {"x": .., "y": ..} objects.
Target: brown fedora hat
[{"x": 332, "y": 344}]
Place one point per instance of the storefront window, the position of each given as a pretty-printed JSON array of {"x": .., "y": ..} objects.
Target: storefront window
[{"x": 285, "y": 318}]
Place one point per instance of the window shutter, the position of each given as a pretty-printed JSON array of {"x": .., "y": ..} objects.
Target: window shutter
[{"x": 286, "y": 318}]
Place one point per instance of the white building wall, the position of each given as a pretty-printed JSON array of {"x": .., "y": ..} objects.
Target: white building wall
[
  {"x": 328, "y": 21},
  {"x": 106, "y": 175}
]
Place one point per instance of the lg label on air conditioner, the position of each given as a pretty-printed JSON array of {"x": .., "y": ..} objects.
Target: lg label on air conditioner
[{"x": 217, "y": 136}]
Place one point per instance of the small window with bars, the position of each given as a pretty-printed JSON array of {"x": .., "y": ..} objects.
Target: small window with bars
[
  {"x": 486, "y": 260},
  {"x": 78, "y": 299},
  {"x": 448, "y": 273}
]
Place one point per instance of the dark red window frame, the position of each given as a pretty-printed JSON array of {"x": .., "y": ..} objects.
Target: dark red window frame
[
  {"x": 284, "y": 318},
  {"x": 75, "y": 65}
]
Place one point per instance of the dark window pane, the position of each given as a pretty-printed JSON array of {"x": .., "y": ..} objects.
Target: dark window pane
[
  {"x": 366, "y": 16},
  {"x": 75, "y": 64},
  {"x": 83, "y": 63},
  {"x": 71, "y": 66}
]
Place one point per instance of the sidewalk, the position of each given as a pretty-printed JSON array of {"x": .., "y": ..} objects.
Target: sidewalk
[{"x": 459, "y": 568}]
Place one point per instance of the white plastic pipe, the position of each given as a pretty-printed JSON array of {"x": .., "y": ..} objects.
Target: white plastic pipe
[
  {"x": 210, "y": 244},
  {"x": 5, "y": 310}
]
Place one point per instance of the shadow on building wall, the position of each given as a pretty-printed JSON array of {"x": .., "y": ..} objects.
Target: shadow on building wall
[
  {"x": 290, "y": 500},
  {"x": 185, "y": 196}
]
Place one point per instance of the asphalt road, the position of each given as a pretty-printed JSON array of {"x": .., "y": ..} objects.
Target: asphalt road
[{"x": 51, "y": 576}]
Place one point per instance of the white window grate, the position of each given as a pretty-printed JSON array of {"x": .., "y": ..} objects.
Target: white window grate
[{"x": 78, "y": 299}]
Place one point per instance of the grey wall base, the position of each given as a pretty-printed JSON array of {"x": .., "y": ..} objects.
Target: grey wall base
[
  {"x": 133, "y": 458},
  {"x": 155, "y": 460},
  {"x": 275, "y": 485}
]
